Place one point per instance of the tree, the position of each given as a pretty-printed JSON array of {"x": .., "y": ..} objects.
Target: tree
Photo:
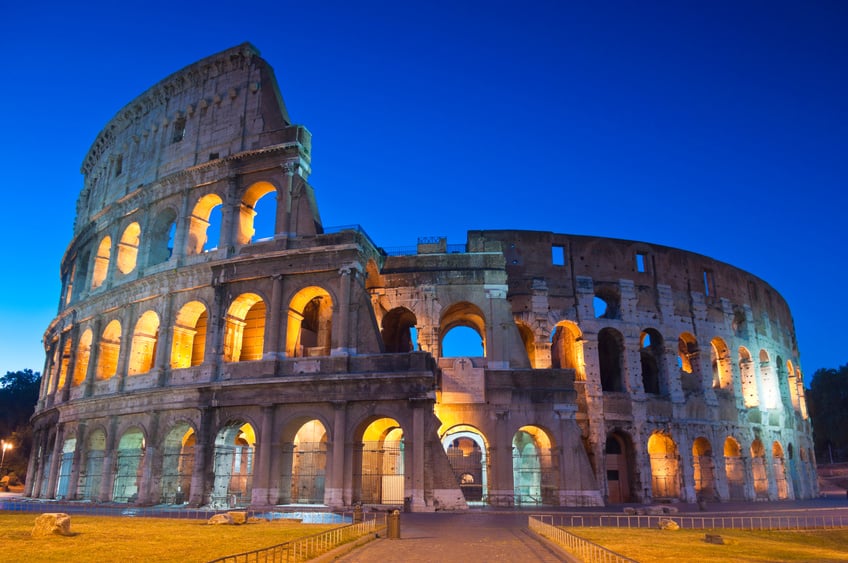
[
  {"x": 18, "y": 396},
  {"x": 827, "y": 399}
]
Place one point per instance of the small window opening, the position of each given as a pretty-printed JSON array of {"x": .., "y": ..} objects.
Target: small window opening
[
  {"x": 709, "y": 283},
  {"x": 213, "y": 156},
  {"x": 179, "y": 129},
  {"x": 558, "y": 255},
  {"x": 640, "y": 262},
  {"x": 119, "y": 165},
  {"x": 600, "y": 307}
]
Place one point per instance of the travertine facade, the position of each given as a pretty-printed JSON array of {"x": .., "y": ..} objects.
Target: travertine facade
[{"x": 197, "y": 360}]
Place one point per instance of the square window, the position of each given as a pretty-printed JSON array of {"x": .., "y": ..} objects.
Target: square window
[
  {"x": 641, "y": 262},
  {"x": 558, "y": 255}
]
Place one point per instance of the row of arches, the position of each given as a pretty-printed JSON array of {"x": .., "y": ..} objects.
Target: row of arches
[
  {"x": 730, "y": 474},
  {"x": 152, "y": 240},
  {"x": 134, "y": 470}
]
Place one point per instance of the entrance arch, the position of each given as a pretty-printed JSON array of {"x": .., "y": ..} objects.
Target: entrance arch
[
  {"x": 65, "y": 467},
  {"x": 734, "y": 467},
  {"x": 308, "y": 463},
  {"x": 233, "y": 465},
  {"x": 704, "y": 468},
  {"x": 779, "y": 467},
  {"x": 758, "y": 469},
  {"x": 381, "y": 463},
  {"x": 467, "y": 453},
  {"x": 618, "y": 454},
  {"x": 533, "y": 468},
  {"x": 178, "y": 464},
  {"x": 92, "y": 475},
  {"x": 665, "y": 468},
  {"x": 128, "y": 467}
]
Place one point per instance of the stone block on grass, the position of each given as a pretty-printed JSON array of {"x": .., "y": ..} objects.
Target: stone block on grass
[{"x": 52, "y": 524}]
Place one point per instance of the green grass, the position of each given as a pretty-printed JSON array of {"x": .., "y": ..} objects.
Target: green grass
[
  {"x": 647, "y": 545},
  {"x": 125, "y": 539}
]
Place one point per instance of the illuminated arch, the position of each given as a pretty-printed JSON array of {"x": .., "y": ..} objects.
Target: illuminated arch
[
  {"x": 793, "y": 386},
  {"x": 305, "y": 472},
  {"x": 127, "y": 257},
  {"x": 534, "y": 467},
  {"x": 758, "y": 469},
  {"x": 189, "y": 340},
  {"x": 129, "y": 456},
  {"x": 83, "y": 357},
  {"x": 468, "y": 452},
  {"x": 528, "y": 339},
  {"x": 109, "y": 350},
  {"x": 144, "y": 340},
  {"x": 704, "y": 468},
  {"x": 178, "y": 464},
  {"x": 665, "y": 467},
  {"x": 721, "y": 364},
  {"x": 92, "y": 474},
  {"x": 233, "y": 457},
  {"x": 244, "y": 331},
  {"x": 160, "y": 237},
  {"x": 200, "y": 221},
  {"x": 769, "y": 391},
  {"x": 310, "y": 323},
  {"x": 779, "y": 466},
  {"x": 101, "y": 262},
  {"x": 381, "y": 463},
  {"x": 567, "y": 349},
  {"x": 734, "y": 468},
  {"x": 687, "y": 353},
  {"x": 248, "y": 211}
]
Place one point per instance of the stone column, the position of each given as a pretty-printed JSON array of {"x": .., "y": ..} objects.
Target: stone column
[
  {"x": 203, "y": 447},
  {"x": 261, "y": 491},
  {"x": 501, "y": 487},
  {"x": 215, "y": 331},
  {"x": 162, "y": 363},
  {"x": 72, "y": 364},
  {"x": 342, "y": 332},
  {"x": 273, "y": 331},
  {"x": 93, "y": 357},
  {"x": 108, "y": 478},
  {"x": 55, "y": 461},
  {"x": 79, "y": 448},
  {"x": 334, "y": 491},
  {"x": 127, "y": 318},
  {"x": 181, "y": 230},
  {"x": 419, "y": 443},
  {"x": 148, "y": 487},
  {"x": 229, "y": 216},
  {"x": 35, "y": 469},
  {"x": 283, "y": 219}
]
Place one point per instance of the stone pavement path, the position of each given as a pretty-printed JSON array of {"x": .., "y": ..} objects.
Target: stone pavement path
[{"x": 462, "y": 537}]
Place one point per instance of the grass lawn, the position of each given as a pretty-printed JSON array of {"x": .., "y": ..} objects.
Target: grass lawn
[
  {"x": 648, "y": 545},
  {"x": 124, "y": 539}
]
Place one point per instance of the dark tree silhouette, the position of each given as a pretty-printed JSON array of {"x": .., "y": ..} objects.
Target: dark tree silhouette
[
  {"x": 18, "y": 395},
  {"x": 828, "y": 404}
]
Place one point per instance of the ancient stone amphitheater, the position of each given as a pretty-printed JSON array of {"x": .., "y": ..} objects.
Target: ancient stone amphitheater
[{"x": 197, "y": 360}]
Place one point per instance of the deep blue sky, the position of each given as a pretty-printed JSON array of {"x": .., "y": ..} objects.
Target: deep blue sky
[{"x": 716, "y": 127}]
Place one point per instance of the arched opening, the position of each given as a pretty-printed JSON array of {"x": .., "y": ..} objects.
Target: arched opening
[
  {"x": 768, "y": 382},
  {"x": 734, "y": 468},
  {"x": 618, "y": 463},
  {"x": 607, "y": 303},
  {"x": 567, "y": 349},
  {"x": 92, "y": 474},
  {"x": 533, "y": 468},
  {"x": 83, "y": 357},
  {"x": 748, "y": 377},
  {"x": 101, "y": 262},
  {"x": 143, "y": 349},
  {"x": 233, "y": 465},
  {"x": 381, "y": 464},
  {"x": 63, "y": 365},
  {"x": 244, "y": 331},
  {"x": 793, "y": 386},
  {"x": 257, "y": 213},
  {"x": 204, "y": 224},
  {"x": 528, "y": 339},
  {"x": 688, "y": 360},
  {"x": 161, "y": 237},
  {"x": 704, "y": 468},
  {"x": 310, "y": 323},
  {"x": 720, "y": 363},
  {"x": 65, "y": 467},
  {"x": 127, "y": 257},
  {"x": 189, "y": 342},
  {"x": 467, "y": 454},
  {"x": 128, "y": 466},
  {"x": 610, "y": 359},
  {"x": 178, "y": 464},
  {"x": 758, "y": 469},
  {"x": 779, "y": 467},
  {"x": 665, "y": 474},
  {"x": 308, "y": 464},
  {"x": 463, "y": 331},
  {"x": 651, "y": 359},
  {"x": 110, "y": 349},
  {"x": 398, "y": 331}
]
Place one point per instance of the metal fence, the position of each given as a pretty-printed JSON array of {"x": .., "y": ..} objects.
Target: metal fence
[
  {"x": 307, "y": 548},
  {"x": 582, "y": 548},
  {"x": 807, "y": 521}
]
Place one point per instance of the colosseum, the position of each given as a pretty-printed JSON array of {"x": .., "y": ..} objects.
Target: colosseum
[{"x": 197, "y": 360}]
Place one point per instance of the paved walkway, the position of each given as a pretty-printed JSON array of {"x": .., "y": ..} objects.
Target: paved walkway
[{"x": 466, "y": 538}]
